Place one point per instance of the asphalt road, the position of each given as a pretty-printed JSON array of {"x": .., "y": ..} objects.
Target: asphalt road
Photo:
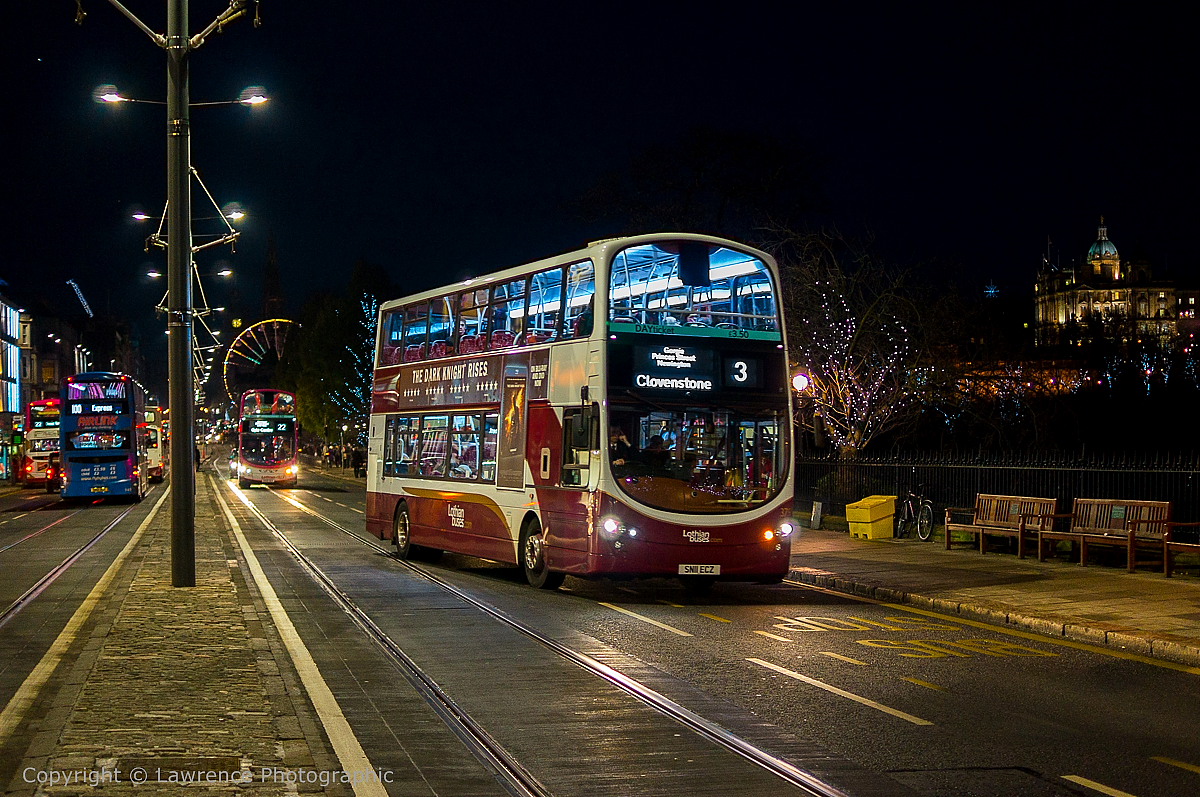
[{"x": 878, "y": 699}]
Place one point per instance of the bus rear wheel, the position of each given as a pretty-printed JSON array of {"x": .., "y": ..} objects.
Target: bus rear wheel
[{"x": 533, "y": 559}]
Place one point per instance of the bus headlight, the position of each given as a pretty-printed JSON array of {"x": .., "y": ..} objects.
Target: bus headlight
[
  {"x": 787, "y": 528},
  {"x": 612, "y": 526},
  {"x": 615, "y": 528}
]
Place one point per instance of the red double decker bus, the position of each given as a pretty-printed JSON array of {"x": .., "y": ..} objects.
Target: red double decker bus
[
  {"x": 621, "y": 410},
  {"x": 267, "y": 451},
  {"x": 42, "y": 418}
]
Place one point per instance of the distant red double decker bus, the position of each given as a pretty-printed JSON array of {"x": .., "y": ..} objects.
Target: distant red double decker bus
[
  {"x": 41, "y": 439},
  {"x": 620, "y": 410},
  {"x": 267, "y": 439}
]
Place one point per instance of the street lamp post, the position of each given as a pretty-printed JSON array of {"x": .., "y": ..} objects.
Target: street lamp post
[
  {"x": 342, "y": 449},
  {"x": 178, "y": 46},
  {"x": 179, "y": 299}
]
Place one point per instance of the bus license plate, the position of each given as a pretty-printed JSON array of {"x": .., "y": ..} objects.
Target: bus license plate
[
  {"x": 99, "y": 489},
  {"x": 699, "y": 570}
]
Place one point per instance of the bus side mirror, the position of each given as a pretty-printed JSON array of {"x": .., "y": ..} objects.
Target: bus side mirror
[{"x": 579, "y": 432}]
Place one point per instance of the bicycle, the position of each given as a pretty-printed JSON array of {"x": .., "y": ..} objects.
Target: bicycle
[{"x": 914, "y": 515}]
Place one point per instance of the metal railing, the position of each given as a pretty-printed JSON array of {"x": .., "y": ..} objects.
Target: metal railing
[{"x": 954, "y": 479}]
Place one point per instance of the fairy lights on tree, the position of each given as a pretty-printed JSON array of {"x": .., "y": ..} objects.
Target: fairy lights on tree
[
  {"x": 851, "y": 328},
  {"x": 352, "y": 395}
]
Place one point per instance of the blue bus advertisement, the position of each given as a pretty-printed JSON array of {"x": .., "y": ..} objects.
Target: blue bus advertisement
[{"x": 102, "y": 448}]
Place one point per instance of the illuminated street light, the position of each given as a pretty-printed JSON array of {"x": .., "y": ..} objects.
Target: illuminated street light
[
  {"x": 233, "y": 215},
  {"x": 224, "y": 271},
  {"x": 250, "y": 96}
]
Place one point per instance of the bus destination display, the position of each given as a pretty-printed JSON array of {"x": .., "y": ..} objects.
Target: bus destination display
[{"x": 688, "y": 368}]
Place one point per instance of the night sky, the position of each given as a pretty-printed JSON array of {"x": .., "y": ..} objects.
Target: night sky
[{"x": 441, "y": 140}]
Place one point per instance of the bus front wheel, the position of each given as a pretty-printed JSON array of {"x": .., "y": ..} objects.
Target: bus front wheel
[
  {"x": 533, "y": 559},
  {"x": 402, "y": 533}
]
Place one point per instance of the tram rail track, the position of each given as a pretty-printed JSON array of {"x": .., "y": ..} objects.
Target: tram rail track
[
  {"x": 55, "y": 572},
  {"x": 705, "y": 728}
]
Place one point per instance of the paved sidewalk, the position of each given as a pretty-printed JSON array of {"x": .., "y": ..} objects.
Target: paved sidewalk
[
  {"x": 167, "y": 683},
  {"x": 1143, "y": 612}
]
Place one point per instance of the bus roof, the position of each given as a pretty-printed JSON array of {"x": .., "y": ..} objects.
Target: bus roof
[{"x": 595, "y": 250}]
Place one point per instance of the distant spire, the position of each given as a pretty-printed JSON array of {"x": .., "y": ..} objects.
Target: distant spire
[{"x": 272, "y": 284}]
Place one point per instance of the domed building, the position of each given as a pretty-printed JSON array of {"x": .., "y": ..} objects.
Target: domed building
[{"x": 1104, "y": 297}]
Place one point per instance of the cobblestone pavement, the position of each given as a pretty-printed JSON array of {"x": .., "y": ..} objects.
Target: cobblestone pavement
[{"x": 168, "y": 684}]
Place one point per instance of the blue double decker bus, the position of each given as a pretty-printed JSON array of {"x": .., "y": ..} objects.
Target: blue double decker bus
[{"x": 102, "y": 448}]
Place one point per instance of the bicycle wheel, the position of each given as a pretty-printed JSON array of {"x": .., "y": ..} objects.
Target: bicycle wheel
[
  {"x": 925, "y": 522},
  {"x": 902, "y": 524}
]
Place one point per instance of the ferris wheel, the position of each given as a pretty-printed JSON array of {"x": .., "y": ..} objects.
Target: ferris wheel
[{"x": 251, "y": 359}]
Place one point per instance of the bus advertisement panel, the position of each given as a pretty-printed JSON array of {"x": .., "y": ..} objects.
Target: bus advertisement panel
[
  {"x": 491, "y": 400},
  {"x": 103, "y": 450},
  {"x": 267, "y": 445},
  {"x": 41, "y": 440}
]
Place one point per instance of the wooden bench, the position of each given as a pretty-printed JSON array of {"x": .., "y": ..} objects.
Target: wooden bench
[
  {"x": 1002, "y": 515},
  {"x": 1121, "y": 523},
  {"x": 1171, "y": 546}
]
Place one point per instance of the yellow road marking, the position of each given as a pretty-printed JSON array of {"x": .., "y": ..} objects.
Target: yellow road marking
[
  {"x": 672, "y": 605},
  {"x": 841, "y": 692},
  {"x": 1118, "y": 654},
  {"x": 1094, "y": 786},
  {"x": 925, "y": 684},
  {"x": 769, "y": 635},
  {"x": 1066, "y": 643},
  {"x": 714, "y": 617},
  {"x": 645, "y": 619},
  {"x": 1175, "y": 763},
  {"x": 840, "y": 657}
]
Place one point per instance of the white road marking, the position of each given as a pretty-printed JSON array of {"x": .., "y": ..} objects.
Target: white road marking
[
  {"x": 841, "y": 692},
  {"x": 341, "y": 735},
  {"x": 645, "y": 619},
  {"x": 769, "y": 635}
]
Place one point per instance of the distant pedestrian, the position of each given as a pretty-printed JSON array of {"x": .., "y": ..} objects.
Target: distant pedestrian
[{"x": 197, "y": 458}]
